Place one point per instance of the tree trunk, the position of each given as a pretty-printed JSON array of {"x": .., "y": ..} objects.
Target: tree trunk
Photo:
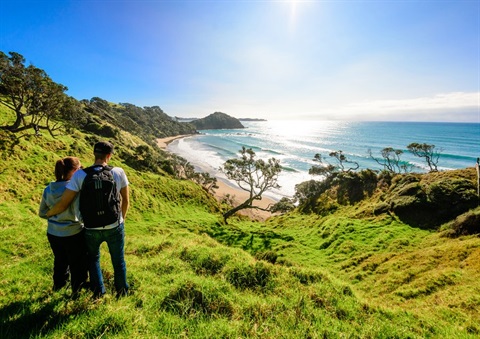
[
  {"x": 15, "y": 127},
  {"x": 229, "y": 213}
]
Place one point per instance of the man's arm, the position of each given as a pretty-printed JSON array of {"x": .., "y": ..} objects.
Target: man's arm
[
  {"x": 125, "y": 193},
  {"x": 62, "y": 205},
  {"x": 42, "y": 211}
]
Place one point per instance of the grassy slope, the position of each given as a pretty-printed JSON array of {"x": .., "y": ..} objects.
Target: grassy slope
[
  {"x": 385, "y": 262},
  {"x": 337, "y": 276}
]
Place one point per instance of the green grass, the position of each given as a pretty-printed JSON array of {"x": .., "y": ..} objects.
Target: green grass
[{"x": 194, "y": 277}]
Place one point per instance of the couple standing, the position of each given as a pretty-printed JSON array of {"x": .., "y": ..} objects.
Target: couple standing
[{"x": 74, "y": 234}]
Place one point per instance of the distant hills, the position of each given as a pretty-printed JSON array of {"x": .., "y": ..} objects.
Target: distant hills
[
  {"x": 180, "y": 119},
  {"x": 217, "y": 120}
]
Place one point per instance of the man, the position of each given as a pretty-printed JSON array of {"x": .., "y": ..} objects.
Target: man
[{"x": 113, "y": 234}]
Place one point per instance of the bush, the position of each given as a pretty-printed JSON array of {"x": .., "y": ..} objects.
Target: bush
[
  {"x": 429, "y": 200},
  {"x": 354, "y": 187},
  {"x": 103, "y": 130},
  {"x": 147, "y": 159},
  {"x": 307, "y": 193},
  {"x": 465, "y": 224},
  {"x": 283, "y": 206}
]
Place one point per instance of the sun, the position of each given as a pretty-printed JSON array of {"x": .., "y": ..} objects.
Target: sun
[
  {"x": 293, "y": 7},
  {"x": 293, "y": 12}
]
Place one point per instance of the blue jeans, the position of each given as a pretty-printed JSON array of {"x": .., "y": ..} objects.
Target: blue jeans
[{"x": 115, "y": 239}]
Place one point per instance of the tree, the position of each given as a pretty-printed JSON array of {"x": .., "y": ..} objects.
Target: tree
[
  {"x": 284, "y": 205},
  {"x": 329, "y": 169},
  {"x": 428, "y": 152},
  {"x": 253, "y": 176},
  {"x": 391, "y": 160},
  {"x": 208, "y": 182},
  {"x": 36, "y": 100},
  {"x": 307, "y": 193}
]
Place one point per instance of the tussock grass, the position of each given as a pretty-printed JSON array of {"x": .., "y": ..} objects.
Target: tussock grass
[{"x": 192, "y": 276}]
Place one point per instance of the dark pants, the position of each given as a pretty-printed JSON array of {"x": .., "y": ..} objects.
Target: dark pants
[{"x": 70, "y": 258}]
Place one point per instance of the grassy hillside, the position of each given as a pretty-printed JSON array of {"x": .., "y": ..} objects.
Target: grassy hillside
[{"x": 294, "y": 276}]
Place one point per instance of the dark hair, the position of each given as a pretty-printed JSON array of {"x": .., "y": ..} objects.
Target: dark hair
[
  {"x": 103, "y": 147},
  {"x": 65, "y": 165}
]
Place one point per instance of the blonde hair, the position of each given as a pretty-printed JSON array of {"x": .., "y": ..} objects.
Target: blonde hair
[{"x": 64, "y": 166}]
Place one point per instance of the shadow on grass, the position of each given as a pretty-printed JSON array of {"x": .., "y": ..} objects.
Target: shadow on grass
[
  {"x": 249, "y": 241},
  {"x": 34, "y": 317}
]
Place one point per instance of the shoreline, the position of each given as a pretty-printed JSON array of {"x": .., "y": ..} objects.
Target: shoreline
[
  {"x": 163, "y": 142},
  {"x": 226, "y": 188}
]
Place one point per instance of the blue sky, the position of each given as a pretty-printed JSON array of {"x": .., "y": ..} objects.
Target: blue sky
[{"x": 350, "y": 60}]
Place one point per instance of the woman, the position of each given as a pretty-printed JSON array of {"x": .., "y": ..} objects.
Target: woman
[{"x": 65, "y": 230}]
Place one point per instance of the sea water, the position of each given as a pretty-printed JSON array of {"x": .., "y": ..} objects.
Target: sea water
[{"x": 295, "y": 144}]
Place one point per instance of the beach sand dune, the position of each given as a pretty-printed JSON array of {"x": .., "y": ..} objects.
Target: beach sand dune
[{"x": 236, "y": 194}]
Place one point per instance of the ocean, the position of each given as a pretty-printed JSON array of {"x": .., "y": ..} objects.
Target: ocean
[{"x": 295, "y": 143}]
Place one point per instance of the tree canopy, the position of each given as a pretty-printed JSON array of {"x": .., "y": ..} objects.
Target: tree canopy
[
  {"x": 391, "y": 161},
  {"x": 252, "y": 175},
  {"x": 38, "y": 103},
  {"x": 428, "y": 152}
]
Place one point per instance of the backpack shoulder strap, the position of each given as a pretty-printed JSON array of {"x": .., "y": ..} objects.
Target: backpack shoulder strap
[{"x": 90, "y": 169}]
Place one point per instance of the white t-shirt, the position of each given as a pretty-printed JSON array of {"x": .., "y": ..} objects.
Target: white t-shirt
[{"x": 121, "y": 181}]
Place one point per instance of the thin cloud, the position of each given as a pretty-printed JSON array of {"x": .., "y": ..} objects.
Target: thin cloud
[
  {"x": 455, "y": 106},
  {"x": 455, "y": 100}
]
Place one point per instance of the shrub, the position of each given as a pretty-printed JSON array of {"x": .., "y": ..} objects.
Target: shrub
[
  {"x": 307, "y": 193},
  {"x": 283, "y": 206},
  {"x": 465, "y": 224},
  {"x": 353, "y": 187},
  {"x": 101, "y": 130}
]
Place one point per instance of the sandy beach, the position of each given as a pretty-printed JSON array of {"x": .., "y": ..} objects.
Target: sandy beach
[
  {"x": 163, "y": 142},
  {"x": 225, "y": 189}
]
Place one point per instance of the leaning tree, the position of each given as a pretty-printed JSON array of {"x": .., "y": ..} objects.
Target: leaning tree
[
  {"x": 428, "y": 152},
  {"x": 35, "y": 100},
  {"x": 252, "y": 175},
  {"x": 391, "y": 161}
]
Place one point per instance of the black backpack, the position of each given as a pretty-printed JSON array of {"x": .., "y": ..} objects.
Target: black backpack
[{"x": 99, "y": 198}]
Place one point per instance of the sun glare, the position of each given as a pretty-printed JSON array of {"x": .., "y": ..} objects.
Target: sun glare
[
  {"x": 293, "y": 12},
  {"x": 296, "y": 6}
]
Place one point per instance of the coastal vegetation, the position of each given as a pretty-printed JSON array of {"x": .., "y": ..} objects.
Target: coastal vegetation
[
  {"x": 359, "y": 255},
  {"x": 419, "y": 200},
  {"x": 33, "y": 99},
  {"x": 428, "y": 152},
  {"x": 35, "y": 103},
  {"x": 255, "y": 176},
  {"x": 217, "y": 120}
]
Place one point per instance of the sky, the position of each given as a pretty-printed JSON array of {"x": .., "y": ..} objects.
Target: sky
[{"x": 391, "y": 60}]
